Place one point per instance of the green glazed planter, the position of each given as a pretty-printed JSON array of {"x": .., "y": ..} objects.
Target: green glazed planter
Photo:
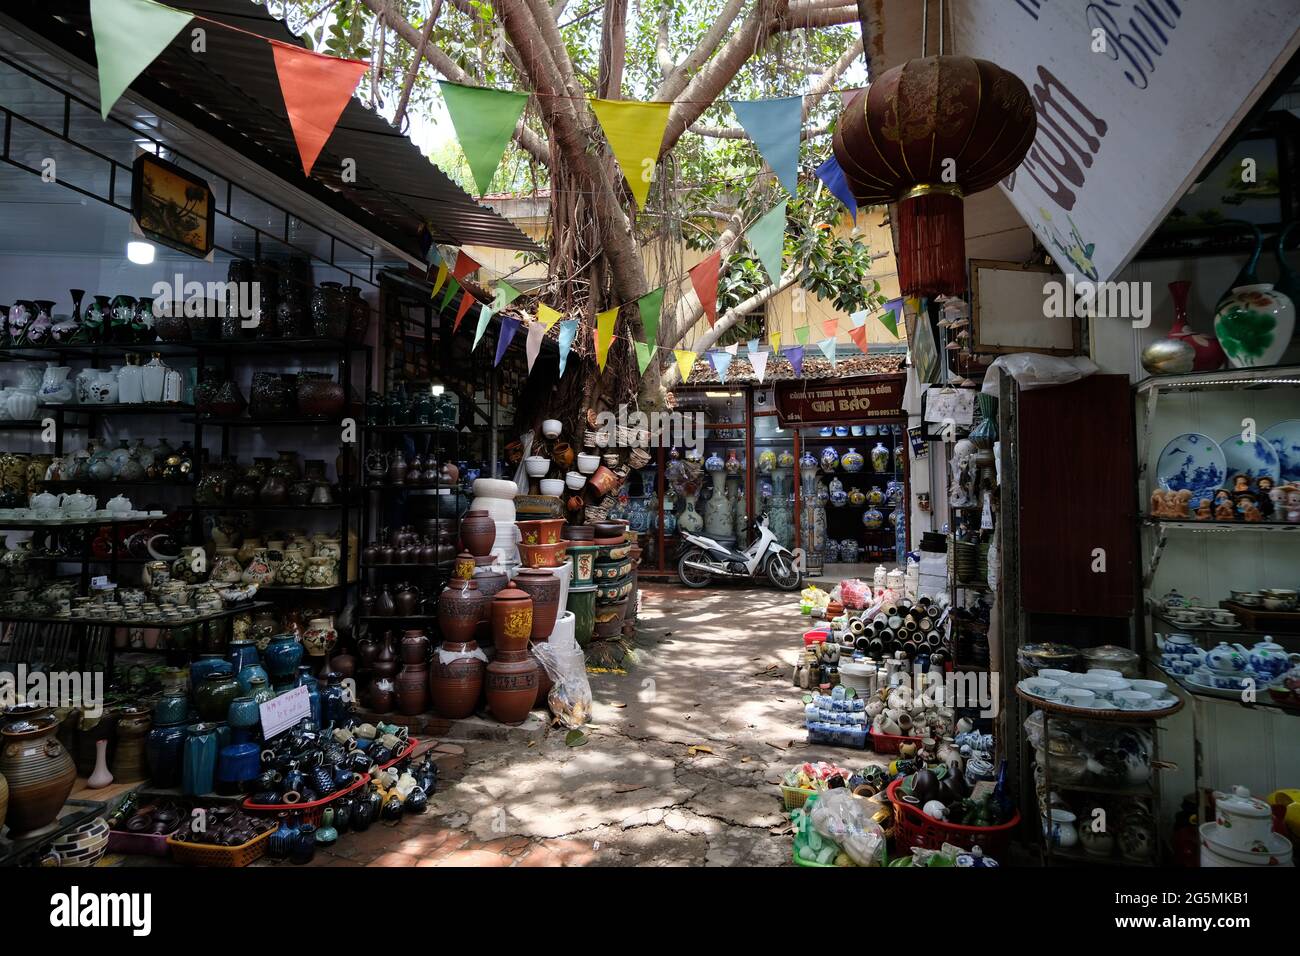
[
  {"x": 583, "y": 559},
  {"x": 582, "y": 602}
]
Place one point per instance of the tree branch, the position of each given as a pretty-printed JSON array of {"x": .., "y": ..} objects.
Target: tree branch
[
  {"x": 662, "y": 54},
  {"x": 736, "y": 132},
  {"x": 804, "y": 16},
  {"x": 675, "y": 81},
  {"x": 613, "y": 50},
  {"x": 434, "y": 12}
]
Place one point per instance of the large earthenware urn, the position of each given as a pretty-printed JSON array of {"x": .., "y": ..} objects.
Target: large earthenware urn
[
  {"x": 478, "y": 531},
  {"x": 460, "y": 607},
  {"x": 543, "y": 586},
  {"x": 512, "y": 686},
  {"x": 456, "y": 678},
  {"x": 512, "y": 619},
  {"x": 39, "y": 772}
]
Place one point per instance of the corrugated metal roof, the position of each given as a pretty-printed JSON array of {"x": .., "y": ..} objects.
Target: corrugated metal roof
[{"x": 234, "y": 84}]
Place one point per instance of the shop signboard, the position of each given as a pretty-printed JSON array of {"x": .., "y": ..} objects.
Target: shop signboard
[
  {"x": 832, "y": 402},
  {"x": 1098, "y": 180}
]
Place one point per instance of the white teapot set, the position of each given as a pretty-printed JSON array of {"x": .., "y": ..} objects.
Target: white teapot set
[
  {"x": 75, "y": 506},
  {"x": 1226, "y": 665}
]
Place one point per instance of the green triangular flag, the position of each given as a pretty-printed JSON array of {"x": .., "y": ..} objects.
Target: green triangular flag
[
  {"x": 766, "y": 238},
  {"x": 129, "y": 35},
  {"x": 889, "y": 319},
  {"x": 801, "y": 335},
  {"x": 484, "y": 121},
  {"x": 452, "y": 288},
  {"x": 644, "y": 353},
  {"x": 650, "y": 305},
  {"x": 506, "y": 293}
]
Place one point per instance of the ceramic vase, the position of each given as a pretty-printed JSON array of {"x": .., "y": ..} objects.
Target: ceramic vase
[
  {"x": 543, "y": 587},
  {"x": 39, "y": 771},
  {"x": 512, "y": 619},
  {"x": 1254, "y": 325},
  {"x": 1208, "y": 352},
  {"x": 511, "y": 686},
  {"x": 478, "y": 532},
  {"x": 460, "y": 608}
]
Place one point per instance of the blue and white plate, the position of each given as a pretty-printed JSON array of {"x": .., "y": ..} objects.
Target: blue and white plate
[
  {"x": 1254, "y": 458},
  {"x": 1194, "y": 462},
  {"x": 1285, "y": 439}
]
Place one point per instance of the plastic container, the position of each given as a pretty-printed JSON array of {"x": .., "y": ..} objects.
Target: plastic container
[
  {"x": 311, "y": 812},
  {"x": 801, "y": 839},
  {"x": 795, "y": 797},
  {"x": 200, "y": 854},
  {"x": 861, "y": 677},
  {"x": 888, "y": 744},
  {"x": 817, "y": 635},
  {"x": 913, "y": 828},
  {"x": 137, "y": 844},
  {"x": 562, "y": 638}
]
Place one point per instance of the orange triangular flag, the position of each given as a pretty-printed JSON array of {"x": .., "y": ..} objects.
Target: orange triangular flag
[
  {"x": 859, "y": 337},
  {"x": 466, "y": 300},
  {"x": 464, "y": 266},
  {"x": 704, "y": 279},
  {"x": 315, "y": 88},
  {"x": 830, "y": 327}
]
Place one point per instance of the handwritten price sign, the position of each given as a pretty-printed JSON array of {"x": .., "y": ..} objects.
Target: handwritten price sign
[{"x": 281, "y": 713}]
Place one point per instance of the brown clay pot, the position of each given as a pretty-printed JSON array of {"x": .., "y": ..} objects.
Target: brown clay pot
[
  {"x": 562, "y": 455},
  {"x": 39, "y": 771},
  {"x": 456, "y": 686},
  {"x": 415, "y": 647},
  {"x": 544, "y": 588},
  {"x": 603, "y": 480},
  {"x": 128, "y": 763},
  {"x": 489, "y": 584},
  {"x": 460, "y": 608},
  {"x": 511, "y": 686},
  {"x": 413, "y": 691},
  {"x": 512, "y": 620},
  {"x": 345, "y": 665},
  {"x": 385, "y": 663},
  {"x": 540, "y": 531},
  {"x": 478, "y": 531},
  {"x": 381, "y": 701}
]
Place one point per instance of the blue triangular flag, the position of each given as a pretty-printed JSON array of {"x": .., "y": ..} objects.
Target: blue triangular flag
[
  {"x": 568, "y": 332},
  {"x": 774, "y": 126},
  {"x": 509, "y": 327},
  {"x": 721, "y": 362},
  {"x": 795, "y": 354},
  {"x": 832, "y": 175}
]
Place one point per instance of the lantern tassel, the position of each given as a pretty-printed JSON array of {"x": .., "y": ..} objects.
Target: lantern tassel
[{"x": 932, "y": 242}]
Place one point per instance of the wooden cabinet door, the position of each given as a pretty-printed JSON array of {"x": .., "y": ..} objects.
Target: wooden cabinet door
[{"x": 1077, "y": 488}]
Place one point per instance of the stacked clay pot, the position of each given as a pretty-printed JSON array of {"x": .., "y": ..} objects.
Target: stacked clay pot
[
  {"x": 511, "y": 686},
  {"x": 460, "y": 608},
  {"x": 512, "y": 620},
  {"x": 413, "y": 681},
  {"x": 456, "y": 678},
  {"x": 478, "y": 532},
  {"x": 39, "y": 772},
  {"x": 543, "y": 587}
]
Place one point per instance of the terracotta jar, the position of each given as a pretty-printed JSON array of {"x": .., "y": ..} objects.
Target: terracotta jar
[
  {"x": 415, "y": 647},
  {"x": 562, "y": 455},
  {"x": 413, "y": 691},
  {"x": 385, "y": 663},
  {"x": 133, "y": 724},
  {"x": 540, "y": 531},
  {"x": 456, "y": 678},
  {"x": 478, "y": 532},
  {"x": 464, "y": 566},
  {"x": 381, "y": 695},
  {"x": 511, "y": 685},
  {"x": 39, "y": 771},
  {"x": 460, "y": 607},
  {"x": 512, "y": 619},
  {"x": 490, "y": 582},
  {"x": 544, "y": 588},
  {"x": 603, "y": 480}
]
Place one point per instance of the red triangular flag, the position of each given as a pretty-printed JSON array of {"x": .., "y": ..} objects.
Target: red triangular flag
[
  {"x": 829, "y": 327},
  {"x": 466, "y": 300},
  {"x": 315, "y": 88},
  {"x": 859, "y": 337},
  {"x": 704, "y": 279},
  {"x": 464, "y": 266}
]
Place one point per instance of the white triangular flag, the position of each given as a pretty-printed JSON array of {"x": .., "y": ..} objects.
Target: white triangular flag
[
  {"x": 759, "y": 361},
  {"x": 536, "y": 332}
]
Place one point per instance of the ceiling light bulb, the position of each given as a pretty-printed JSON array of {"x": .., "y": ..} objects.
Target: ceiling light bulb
[{"x": 141, "y": 253}]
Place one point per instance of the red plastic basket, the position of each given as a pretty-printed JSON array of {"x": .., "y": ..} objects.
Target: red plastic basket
[
  {"x": 311, "y": 812},
  {"x": 913, "y": 828},
  {"x": 887, "y": 744}
]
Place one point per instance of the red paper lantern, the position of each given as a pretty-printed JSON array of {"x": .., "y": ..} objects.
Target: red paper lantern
[{"x": 924, "y": 135}]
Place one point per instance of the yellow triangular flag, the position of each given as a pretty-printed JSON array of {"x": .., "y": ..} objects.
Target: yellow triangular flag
[
  {"x": 685, "y": 362},
  {"x": 442, "y": 277},
  {"x": 635, "y": 132},
  {"x": 605, "y": 334},
  {"x": 547, "y": 315},
  {"x": 775, "y": 340}
]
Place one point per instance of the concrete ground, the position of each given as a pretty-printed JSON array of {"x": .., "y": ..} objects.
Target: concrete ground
[{"x": 681, "y": 766}]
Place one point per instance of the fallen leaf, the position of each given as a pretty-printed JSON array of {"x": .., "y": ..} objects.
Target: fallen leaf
[
  {"x": 532, "y": 743},
  {"x": 746, "y": 759},
  {"x": 696, "y": 749},
  {"x": 575, "y": 738},
  {"x": 617, "y": 703}
]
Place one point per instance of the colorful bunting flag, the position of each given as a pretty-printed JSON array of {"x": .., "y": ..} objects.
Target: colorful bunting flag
[
  {"x": 774, "y": 340},
  {"x": 547, "y": 315},
  {"x": 827, "y": 345},
  {"x": 775, "y": 127},
  {"x": 859, "y": 318},
  {"x": 685, "y": 362},
  {"x": 732, "y": 348},
  {"x": 533, "y": 346},
  {"x": 129, "y": 35},
  {"x": 832, "y": 175},
  {"x": 442, "y": 277},
  {"x": 505, "y": 294},
  {"x": 889, "y": 318},
  {"x": 568, "y": 332},
  {"x": 315, "y": 88},
  {"x": 644, "y": 353},
  {"x": 509, "y": 326},
  {"x": 484, "y": 121},
  {"x": 758, "y": 360},
  {"x": 859, "y": 337},
  {"x": 464, "y": 266},
  {"x": 721, "y": 362},
  {"x": 795, "y": 354},
  {"x": 604, "y": 332},
  {"x": 466, "y": 300},
  {"x": 635, "y": 132},
  {"x": 650, "y": 305},
  {"x": 830, "y": 327},
  {"x": 484, "y": 317},
  {"x": 704, "y": 279},
  {"x": 452, "y": 288},
  {"x": 766, "y": 238},
  {"x": 801, "y": 335}
]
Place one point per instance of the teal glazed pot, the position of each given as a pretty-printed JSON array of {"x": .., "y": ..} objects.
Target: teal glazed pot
[
  {"x": 244, "y": 716},
  {"x": 162, "y": 749},
  {"x": 212, "y": 698},
  {"x": 199, "y": 765},
  {"x": 171, "y": 709},
  {"x": 281, "y": 657},
  {"x": 582, "y": 602}
]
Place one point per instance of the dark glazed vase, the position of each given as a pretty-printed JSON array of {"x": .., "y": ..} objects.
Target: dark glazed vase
[{"x": 39, "y": 772}]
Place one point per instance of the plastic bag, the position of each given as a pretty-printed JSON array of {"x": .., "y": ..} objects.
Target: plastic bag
[
  {"x": 1031, "y": 370},
  {"x": 570, "y": 696},
  {"x": 845, "y": 819}
]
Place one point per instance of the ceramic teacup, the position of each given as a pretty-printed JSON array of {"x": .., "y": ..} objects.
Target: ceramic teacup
[
  {"x": 1053, "y": 673},
  {"x": 1131, "y": 699},
  {"x": 1155, "y": 688},
  {"x": 1078, "y": 697},
  {"x": 1223, "y": 617},
  {"x": 1042, "y": 686}
]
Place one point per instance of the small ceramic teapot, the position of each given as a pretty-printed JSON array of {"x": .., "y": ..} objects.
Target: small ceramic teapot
[
  {"x": 77, "y": 505},
  {"x": 1226, "y": 658},
  {"x": 119, "y": 504},
  {"x": 45, "y": 502},
  {"x": 1270, "y": 660}
]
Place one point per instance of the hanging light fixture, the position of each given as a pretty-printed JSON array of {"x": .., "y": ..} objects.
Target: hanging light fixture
[{"x": 925, "y": 135}]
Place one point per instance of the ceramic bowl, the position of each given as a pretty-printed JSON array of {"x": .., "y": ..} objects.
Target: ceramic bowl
[
  {"x": 552, "y": 427},
  {"x": 1056, "y": 674},
  {"x": 552, "y": 486},
  {"x": 1078, "y": 696},
  {"x": 1155, "y": 688},
  {"x": 1103, "y": 687},
  {"x": 1131, "y": 699},
  {"x": 588, "y": 463},
  {"x": 1042, "y": 686},
  {"x": 1104, "y": 672},
  {"x": 576, "y": 480},
  {"x": 536, "y": 466}
]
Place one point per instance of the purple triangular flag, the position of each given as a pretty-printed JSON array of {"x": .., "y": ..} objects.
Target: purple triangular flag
[
  {"x": 509, "y": 327},
  {"x": 795, "y": 354},
  {"x": 832, "y": 175}
]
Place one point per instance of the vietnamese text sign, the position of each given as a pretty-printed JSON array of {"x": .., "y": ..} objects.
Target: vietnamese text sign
[
  {"x": 282, "y": 712},
  {"x": 1133, "y": 97},
  {"x": 849, "y": 400}
]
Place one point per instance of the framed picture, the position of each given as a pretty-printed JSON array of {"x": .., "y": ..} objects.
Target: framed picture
[
  {"x": 1007, "y": 314},
  {"x": 172, "y": 206}
]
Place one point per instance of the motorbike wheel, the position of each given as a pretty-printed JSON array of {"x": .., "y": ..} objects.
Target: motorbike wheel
[
  {"x": 782, "y": 572},
  {"x": 693, "y": 577}
]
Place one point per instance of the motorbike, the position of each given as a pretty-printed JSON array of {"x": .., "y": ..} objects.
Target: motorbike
[{"x": 703, "y": 559}]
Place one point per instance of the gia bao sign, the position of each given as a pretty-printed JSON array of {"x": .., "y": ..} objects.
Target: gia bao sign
[
  {"x": 1133, "y": 98},
  {"x": 828, "y": 402}
]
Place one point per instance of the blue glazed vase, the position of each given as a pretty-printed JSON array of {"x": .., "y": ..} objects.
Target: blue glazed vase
[
  {"x": 205, "y": 665},
  {"x": 237, "y": 765},
  {"x": 243, "y": 653},
  {"x": 171, "y": 709},
  {"x": 250, "y": 675},
  {"x": 307, "y": 679},
  {"x": 280, "y": 843},
  {"x": 199, "y": 767},
  {"x": 163, "y": 751},
  {"x": 282, "y": 657},
  {"x": 304, "y": 845},
  {"x": 243, "y": 717}
]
